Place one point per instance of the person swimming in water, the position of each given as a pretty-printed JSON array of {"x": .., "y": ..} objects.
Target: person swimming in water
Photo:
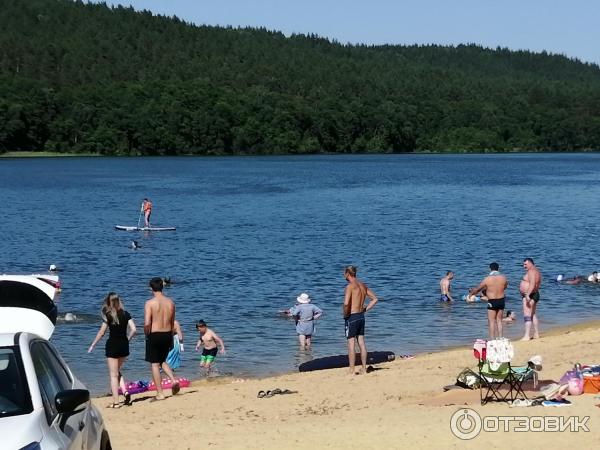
[
  {"x": 510, "y": 317},
  {"x": 577, "y": 279},
  {"x": 70, "y": 317},
  {"x": 470, "y": 298},
  {"x": 135, "y": 245}
]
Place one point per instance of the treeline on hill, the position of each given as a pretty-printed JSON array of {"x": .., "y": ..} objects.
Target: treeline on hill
[{"x": 78, "y": 77}]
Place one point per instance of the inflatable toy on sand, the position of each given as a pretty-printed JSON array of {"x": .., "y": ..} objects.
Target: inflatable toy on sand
[
  {"x": 167, "y": 384},
  {"x": 135, "y": 387}
]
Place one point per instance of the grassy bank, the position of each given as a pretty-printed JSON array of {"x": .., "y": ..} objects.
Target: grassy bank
[{"x": 43, "y": 154}]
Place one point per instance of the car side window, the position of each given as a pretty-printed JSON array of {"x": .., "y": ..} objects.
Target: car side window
[
  {"x": 51, "y": 376},
  {"x": 59, "y": 364}
]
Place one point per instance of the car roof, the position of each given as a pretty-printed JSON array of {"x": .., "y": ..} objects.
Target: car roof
[
  {"x": 7, "y": 339},
  {"x": 33, "y": 280},
  {"x": 26, "y": 305}
]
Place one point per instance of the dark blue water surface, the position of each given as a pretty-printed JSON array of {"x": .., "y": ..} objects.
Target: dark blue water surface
[{"x": 253, "y": 233}]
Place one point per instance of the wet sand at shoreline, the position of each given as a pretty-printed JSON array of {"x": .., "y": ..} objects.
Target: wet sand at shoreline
[{"x": 400, "y": 404}]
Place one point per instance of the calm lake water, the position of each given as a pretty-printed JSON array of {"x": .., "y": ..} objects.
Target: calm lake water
[{"x": 253, "y": 233}]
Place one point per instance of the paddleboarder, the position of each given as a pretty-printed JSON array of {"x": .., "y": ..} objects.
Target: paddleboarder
[{"x": 147, "y": 210}]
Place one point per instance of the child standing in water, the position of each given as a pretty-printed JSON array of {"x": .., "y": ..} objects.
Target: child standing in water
[
  {"x": 305, "y": 315},
  {"x": 209, "y": 340}
]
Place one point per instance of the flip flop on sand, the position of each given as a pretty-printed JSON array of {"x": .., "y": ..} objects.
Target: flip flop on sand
[
  {"x": 406, "y": 356},
  {"x": 114, "y": 406},
  {"x": 127, "y": 398},
  {"x": 268, "y": 394},
  {"x": 157, "y": 399}
]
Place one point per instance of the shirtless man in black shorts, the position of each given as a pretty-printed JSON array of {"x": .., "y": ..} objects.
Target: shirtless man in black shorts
[
  {"x": 354, "y": 314},
  {"x": 494, "y": 284},
  {"x": 530, "y": 291},
  {"x": 159, "y": 319}
]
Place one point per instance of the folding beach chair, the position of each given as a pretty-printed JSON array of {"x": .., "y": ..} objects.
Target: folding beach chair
[
  {"x": 504, "y": 383},
  {"x": 501, "y": 381}
]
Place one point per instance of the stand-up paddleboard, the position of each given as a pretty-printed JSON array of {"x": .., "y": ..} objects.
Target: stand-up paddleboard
[
  {"x": 126, "y": 228},
  {"x": 336, "y": 362}
]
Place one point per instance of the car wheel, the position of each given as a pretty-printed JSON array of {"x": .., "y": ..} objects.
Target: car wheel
[{"x": 105, "y": 441}]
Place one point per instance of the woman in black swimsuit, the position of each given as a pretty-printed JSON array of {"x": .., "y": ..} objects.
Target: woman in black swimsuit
[{"x": 118, "y": 322}]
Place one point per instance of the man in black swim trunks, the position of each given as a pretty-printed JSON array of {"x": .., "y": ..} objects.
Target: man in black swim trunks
[
  {"x": 530, "y": 290},
  {"x": 354, "y": 315},
  {"x": 495, "y": 285},
  {"x": 159, "y": 322}
]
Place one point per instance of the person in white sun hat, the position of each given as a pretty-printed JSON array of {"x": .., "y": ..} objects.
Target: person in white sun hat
[{"x": 305, "y": 315}]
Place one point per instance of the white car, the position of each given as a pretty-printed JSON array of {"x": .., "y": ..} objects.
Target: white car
[{"x": 42, "y": 404}]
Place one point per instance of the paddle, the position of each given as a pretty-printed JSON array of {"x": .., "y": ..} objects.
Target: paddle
[{"x": 140, "y": 216}]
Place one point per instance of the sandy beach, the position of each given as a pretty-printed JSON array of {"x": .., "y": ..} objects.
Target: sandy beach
[{"x": 401, "y": 404}]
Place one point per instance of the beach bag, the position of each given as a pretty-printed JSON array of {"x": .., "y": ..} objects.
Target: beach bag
[
  {"x": 575, "y": 386},
  {"x": 591, "y": 385},
  {"x": 575, "y": 382},
  {"x": 468, "y": 379},
  {"x": 479, "y": 349}
]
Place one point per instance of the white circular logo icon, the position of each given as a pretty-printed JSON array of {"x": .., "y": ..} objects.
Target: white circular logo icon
[{"x": 465, "y": 424}]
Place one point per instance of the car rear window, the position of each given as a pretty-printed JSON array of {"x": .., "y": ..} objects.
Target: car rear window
[{"x": 14, "y": 393}]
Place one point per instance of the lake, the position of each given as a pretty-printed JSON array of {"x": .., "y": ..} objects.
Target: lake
[{"x": 255, "y": 232}]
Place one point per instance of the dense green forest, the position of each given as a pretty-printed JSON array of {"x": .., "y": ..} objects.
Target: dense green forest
[{"x": 77, "y": 77}]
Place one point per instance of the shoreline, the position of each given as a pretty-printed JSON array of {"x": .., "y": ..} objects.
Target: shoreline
[
  {"x": 552, "y": 332},
  {"x": 20, "y": 154},
  {"x": 45, "y": 154},
  {"x": 400, "y": 403}
]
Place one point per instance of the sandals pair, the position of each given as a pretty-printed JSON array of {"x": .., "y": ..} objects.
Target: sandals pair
[
  {"x": 268, "y": 394},
  {"x": 126, "y": 402}
]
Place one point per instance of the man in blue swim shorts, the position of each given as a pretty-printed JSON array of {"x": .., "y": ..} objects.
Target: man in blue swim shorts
[
  {"x": 354, "y": 314},
  {"x": 445, "y": 287}
]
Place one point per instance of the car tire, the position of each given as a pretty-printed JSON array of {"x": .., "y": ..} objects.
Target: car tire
[{"x": 105, "y": 441}]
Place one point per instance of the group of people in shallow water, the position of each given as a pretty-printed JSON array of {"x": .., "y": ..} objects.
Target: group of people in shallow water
[
  {"x": 164, "y": 335},
  {"x": 492, "y": 290},
  {"x": 162, "y": 331},
  {"x": 353, "y": 311}
]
